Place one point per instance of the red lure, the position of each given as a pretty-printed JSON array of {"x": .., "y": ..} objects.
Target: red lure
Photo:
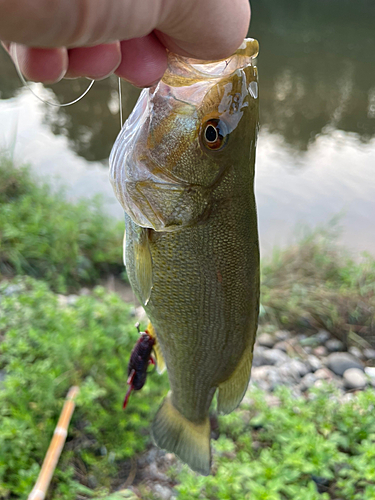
[{"x": 140, "y": 358}]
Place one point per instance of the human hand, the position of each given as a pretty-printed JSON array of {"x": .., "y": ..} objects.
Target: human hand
[{"x": 95, "y": 38}]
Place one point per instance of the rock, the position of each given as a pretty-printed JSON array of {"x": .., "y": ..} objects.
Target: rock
[
  {"x": 320, "y": 383},
  {"x": 259, "y": 383},
  {"x": 298, "y": 367},
  {"x": 334, "y": 345},
  {"x": 289, "y": 374},
  {"x": 324, "y": 374},
  {"x": 272, "y": 400},
  {"x": 155, "y": 474},
  {"x": 305, "y": 340},
  {"x": 275, "y": 357},
  {"x": 92, "y": 482},
  {"x": 266, "y": 377},
  {"x": 162, "y": 492},
  {"x": 266, "y": 340},
  {"x": 369, "y": 353},
  {"x": 314, "y": 362},
  {"x": 322, "y": 483},
  {"x": 282, "y": 335},
  {"x": 71, "y": 299},
  {"x": 322, "y": 336},
  {"x": 320, "y": 351},
  {"x": 281, "y": 345},
  {"x": 12, "y": 290},
  {"x": 347, "y": 397},
  {"x": 354, "y": 378},
  {"x": 357, "y": 353},
  {"x": 258, "y": 358},
  {"x": 256, "y": 445},
  {"x": 339, "y": 362},
  {"x": 369, "y": 370},
  {"x": 84, "y": 291},
  {"x": 149, "y": 457},
  {"x": 62, "y": 300},
  {"x": 307, "y": 381}
]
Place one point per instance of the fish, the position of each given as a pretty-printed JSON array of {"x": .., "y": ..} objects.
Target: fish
[{"x": 182, "y": 168}]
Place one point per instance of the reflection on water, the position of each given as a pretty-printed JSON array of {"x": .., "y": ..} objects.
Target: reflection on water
[
  {"x": 317, "y": 142},
  {"x": 335, "y": 176},
  {"x": 317, "y": 67},
  {"x": 92, "y": 124}
]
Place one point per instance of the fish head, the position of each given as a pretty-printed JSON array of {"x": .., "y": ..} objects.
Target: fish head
[{"x": 182, "y": 135}]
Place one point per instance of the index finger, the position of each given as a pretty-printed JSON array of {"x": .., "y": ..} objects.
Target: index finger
[{"x": 211, "y": 29}]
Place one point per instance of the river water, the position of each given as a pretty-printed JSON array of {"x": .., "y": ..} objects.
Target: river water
[{"x": 316, "y": 148}]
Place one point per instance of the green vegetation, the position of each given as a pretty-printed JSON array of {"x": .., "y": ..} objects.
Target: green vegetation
[
  {"x": 45, "y": 349},
  {"x": 314, "y": 284},
  {"x": 292, "y": 451},
  {"x": 314, "y": 448},
  {"x": 45, "y": 236}
]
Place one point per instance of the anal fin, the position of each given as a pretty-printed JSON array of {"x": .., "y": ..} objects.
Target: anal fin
[
  {"x": 189, "y": 441},
  {"x": 232, "y": 391}
]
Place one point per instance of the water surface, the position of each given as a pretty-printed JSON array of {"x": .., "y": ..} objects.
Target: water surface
[{"x": 316, "y": 149}]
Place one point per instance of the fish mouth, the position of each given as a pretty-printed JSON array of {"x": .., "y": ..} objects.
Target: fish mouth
[{"x": 186, "y": 71}]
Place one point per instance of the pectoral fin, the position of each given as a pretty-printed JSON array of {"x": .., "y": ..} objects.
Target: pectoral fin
[
  {"x": 160, "y": 363},
  {"x": 232, "y": 391},
  {"x": 142, "y": 264}
]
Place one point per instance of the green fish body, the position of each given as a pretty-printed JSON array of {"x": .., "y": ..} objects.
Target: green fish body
[{"x": 183, "y": 170}]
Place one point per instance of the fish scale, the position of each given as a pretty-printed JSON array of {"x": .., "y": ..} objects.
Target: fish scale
[{"x": 191, "y": 248}]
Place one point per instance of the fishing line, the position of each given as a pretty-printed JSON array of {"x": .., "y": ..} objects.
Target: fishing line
[
  {"x": 27, "y": 84},
  {"x": 120, "y": 100}
]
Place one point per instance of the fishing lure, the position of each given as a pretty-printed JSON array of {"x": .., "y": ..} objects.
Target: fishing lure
[{"x": 140, "y": 359}]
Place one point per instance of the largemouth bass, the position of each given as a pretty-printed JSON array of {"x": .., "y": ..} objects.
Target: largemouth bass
[{"x": 182, "y": 168}]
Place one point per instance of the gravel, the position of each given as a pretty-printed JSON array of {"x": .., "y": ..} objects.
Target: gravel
[
  {"x": 314, "y": 362},
  {"x": 334, "y": 345},
  {"x": 339, "y": 362},
  {"x": 266, "y": 340},
  {"x": 369, "y": 353},
  {"x": 281, "y": 345},
  {"x": 275, "y": 357},
  {"x": 354, "y": 378},
  {"x": 307, "y": 382},
  {"x": 320, "y": 351}
]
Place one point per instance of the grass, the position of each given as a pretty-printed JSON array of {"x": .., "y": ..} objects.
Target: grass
[
  {"x": 45, "y": 349},
  {"x": 303, "y": 449},
  {"x": 310, "y": 449},
  {"x": 315, "y": 284},
  {"x": 45, "y": 236},
  {"x": 313, "y": 448}
]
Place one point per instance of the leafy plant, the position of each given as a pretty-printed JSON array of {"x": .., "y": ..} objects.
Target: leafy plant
[
  {"x": 46, "y": 348},
  {"x": 45, "y": 236},
  {"x": 304, "y": 449}
]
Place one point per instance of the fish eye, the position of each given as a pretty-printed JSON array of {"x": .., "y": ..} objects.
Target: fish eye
[{"x": 214, "y": 134}]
